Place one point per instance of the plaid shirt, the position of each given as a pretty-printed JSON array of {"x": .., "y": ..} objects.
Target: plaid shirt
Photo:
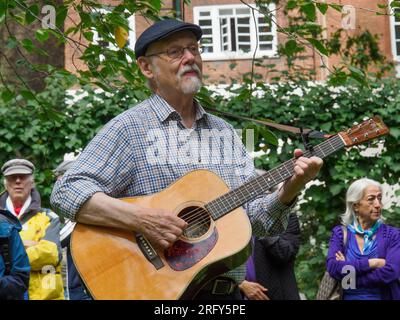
[{"x": 146, "y": 148}]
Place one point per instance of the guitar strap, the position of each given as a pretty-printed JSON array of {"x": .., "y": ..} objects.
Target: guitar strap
[{"x": 299, "y": 131}]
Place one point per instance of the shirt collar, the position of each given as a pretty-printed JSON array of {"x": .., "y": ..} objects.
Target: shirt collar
[{"x": 164, "y": 111}]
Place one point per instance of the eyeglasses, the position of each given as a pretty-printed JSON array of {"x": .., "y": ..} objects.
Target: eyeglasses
[{"x": 175, "y": 53}]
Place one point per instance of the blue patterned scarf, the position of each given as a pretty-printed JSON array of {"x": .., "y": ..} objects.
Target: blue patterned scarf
[{"x": 355, "y": 227}]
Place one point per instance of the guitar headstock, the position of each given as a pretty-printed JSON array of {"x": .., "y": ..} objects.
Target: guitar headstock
[{"x": 365, "y": 131}]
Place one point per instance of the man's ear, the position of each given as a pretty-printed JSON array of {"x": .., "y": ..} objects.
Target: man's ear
[
  {"x": 145, "y": 66},
  {"x": 355, "y": 207}
]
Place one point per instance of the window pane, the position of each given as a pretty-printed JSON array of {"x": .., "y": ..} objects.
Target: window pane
[
  {"x": 243, "y": 20},
  {"x": 245, "y": 48},
  {"x": 225, "y": 48},
  {"x": 207, "y": 49},
  {"x": 266, "y": 38},
  {"x": 261, "y": 20},
  {"x": 206, "y": 40},
  {"x": 204, "y": 23},
  {"x": 398, "y": 48},
  {"x": 265, "y": 28},
  {"x": 244, "y": 30},
  {"x": 207, "y": 31},
  {"x": 225, "y": 12},
  {"x": 244, "y": 38},
  {"x": 204, "y": 13},
  {"x": 397, "y": 14},
  {"x": 233, "y": 34},
  {"x": 397, "y": 29},
  {"x": 266, "y": 46},
  {"x": 243, "y": 11}
]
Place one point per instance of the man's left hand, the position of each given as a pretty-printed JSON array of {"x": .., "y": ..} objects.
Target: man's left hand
[{"x": 305, "y": 170}]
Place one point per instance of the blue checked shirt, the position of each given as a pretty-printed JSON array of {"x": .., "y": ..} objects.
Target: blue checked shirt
[{"x": 146, "y": 148}]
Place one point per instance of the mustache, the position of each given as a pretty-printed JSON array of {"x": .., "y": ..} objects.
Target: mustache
[{"x": 188, "y": 68}]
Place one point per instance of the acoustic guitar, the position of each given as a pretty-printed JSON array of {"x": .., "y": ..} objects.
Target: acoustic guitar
[{"x": 119, "y": 264}]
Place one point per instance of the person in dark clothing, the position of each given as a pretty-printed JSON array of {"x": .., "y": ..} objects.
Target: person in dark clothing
[
  {"x": 14, "y": 262},
  {"x": 270, "y": 269},
  {"x": 74, "y": 287}
]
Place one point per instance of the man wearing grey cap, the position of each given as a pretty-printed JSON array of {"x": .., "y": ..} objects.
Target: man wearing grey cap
[
  {"x": 40, "y": 229},
  {"x": 144, "y": 149}
]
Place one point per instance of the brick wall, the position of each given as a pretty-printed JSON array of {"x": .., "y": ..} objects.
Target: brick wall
[{"x": 221, "y": 72}]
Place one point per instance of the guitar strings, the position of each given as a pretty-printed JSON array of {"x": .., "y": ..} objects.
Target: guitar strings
[
  {"x": 198, "y": 223},
  {"x": 194, "y": 215}
]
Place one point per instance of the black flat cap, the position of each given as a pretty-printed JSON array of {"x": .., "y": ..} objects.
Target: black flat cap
[{"x": 161, "y": 30}]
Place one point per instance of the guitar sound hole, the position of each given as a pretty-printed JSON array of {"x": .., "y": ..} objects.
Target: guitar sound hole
[{"x": 198, "y": 220}]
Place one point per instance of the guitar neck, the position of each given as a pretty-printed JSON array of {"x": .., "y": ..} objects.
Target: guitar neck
[{"x": 252, "y": 189}]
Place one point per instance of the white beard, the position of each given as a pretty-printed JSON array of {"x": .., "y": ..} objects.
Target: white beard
[{"x": 191, "y": 85}]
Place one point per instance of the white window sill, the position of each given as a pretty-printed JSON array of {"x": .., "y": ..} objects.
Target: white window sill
[{"x": 219, "y": 57}]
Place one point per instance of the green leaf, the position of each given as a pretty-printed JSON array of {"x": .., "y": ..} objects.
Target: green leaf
[
  {"x": 395, "y": 132},
  {"x": 269, "y": 136},
  {"x": 309, "y": 10},
  {"x": 335, "y": 189},
  {"x": 7, "y": 95},
  {"x": 3, "y": 10},
  {"x": 12, "y": 42},
  {"x": 395, "y": 4},
  {"x": 291, "y": 47},
  {"x": 291, "y": 5},
  {"x": 31, "y": 14},
  {"x": 318, "y": 45},
  {"x": 61, "y": 14},
  {"x": 337, "y": 7},
  {"x": 28, "y": 45},
  {"x": 88, "y": 36},
  {"x": 28, "y": 95},
  {"x": 42, "y": 35},
  {"x": 326, "y": 126},
  {"x": 322, "y": 7}
]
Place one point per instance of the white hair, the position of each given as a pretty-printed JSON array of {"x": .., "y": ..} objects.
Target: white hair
[{"x": 354, "y": 194}]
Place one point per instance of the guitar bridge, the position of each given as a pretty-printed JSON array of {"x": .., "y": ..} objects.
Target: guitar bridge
[{"x": 148, "y": 251}]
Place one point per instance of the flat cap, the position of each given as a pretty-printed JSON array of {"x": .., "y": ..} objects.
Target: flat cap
[
  {"x": 63, "y": 167},
  {"x": 17, "y": 166},
  {"x": 161, "y": 30}
]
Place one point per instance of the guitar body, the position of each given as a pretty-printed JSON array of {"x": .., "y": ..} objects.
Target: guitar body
[{"x": 113, "y": 262}]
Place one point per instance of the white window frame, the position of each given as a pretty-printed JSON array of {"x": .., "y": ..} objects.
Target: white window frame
[
  {"x": 396, "y": 57},
  {"x": 218, "y": 54},
  {"x": 132, "y": 32}
]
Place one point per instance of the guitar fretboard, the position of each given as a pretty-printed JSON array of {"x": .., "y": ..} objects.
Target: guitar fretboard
[{"x": 250, "y": 190}]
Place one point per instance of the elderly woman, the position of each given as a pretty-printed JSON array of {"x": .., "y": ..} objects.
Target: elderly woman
[{"x": 372, "y": 247}]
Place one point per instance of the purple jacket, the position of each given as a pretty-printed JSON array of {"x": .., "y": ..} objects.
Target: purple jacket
[{"x": 387, "y": 277}]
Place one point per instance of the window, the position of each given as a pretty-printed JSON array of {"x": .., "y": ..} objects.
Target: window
[
  {"x": 395, "y": 32},
  {"x": 230, "y": 32},
  {"x": 105, "y": 44}
]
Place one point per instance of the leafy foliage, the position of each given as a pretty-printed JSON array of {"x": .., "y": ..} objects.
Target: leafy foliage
[{"x": 331, "y": 110}]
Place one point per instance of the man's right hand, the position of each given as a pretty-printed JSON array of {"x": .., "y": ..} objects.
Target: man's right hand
[
  {"x": 253, "y": 290},
  {"x": 161, "y": 227}
]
